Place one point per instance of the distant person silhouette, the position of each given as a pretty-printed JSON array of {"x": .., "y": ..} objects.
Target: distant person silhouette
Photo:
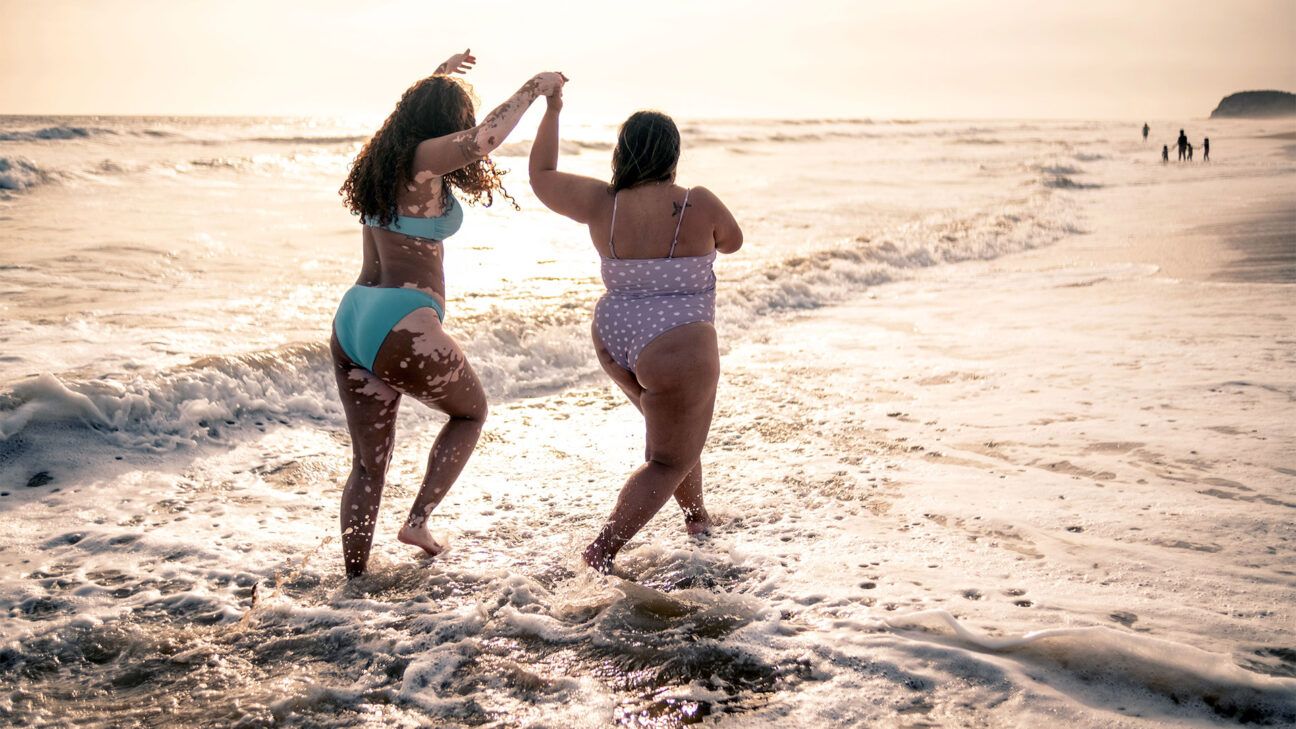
[
  {"x": 1206, "y": 149},
  {"x": 1190, "y": 153},
  {"x": 1146, "y": 129},
  {"x": 1165, "y": 153},
  {"x": 1183, "y": 145}
]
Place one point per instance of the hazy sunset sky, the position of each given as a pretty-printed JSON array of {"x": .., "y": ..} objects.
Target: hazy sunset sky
[{"x": 918, "y": 58}]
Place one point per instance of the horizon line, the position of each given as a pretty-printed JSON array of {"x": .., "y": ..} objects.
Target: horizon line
[{"x": 722, "y": 118}]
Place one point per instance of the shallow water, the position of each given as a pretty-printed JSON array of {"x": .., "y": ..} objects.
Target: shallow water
[{"x": 975, "y": 461}]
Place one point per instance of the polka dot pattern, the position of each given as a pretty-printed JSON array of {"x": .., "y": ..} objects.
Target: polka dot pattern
[{"x": 647, "y": 297}]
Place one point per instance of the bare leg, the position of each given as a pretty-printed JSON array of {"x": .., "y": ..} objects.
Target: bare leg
[
  {"x": 689, "y": 497},
  {"x": 370, "y": 408},
  {"x": 420, "y": 360},
  {"x": 689, "y": 493},
  {"x": 678, "y": 372}
]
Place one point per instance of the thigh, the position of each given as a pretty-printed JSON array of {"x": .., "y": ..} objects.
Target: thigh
[
  {"x": 679, "y": 371},
  {"x": 418, "y": 358},
  {"x": 624, "y": 378},
  {"x": 370, "y": 406}
]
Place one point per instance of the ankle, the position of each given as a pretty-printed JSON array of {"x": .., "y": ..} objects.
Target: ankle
[
  {"x": 600, "y": 552},
  {"x": 695, "y": 514}
]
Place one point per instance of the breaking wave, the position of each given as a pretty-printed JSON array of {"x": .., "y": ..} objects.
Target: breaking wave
[
  {"x": 516, "y": 353},
  {"x": 19, "y": 174}
]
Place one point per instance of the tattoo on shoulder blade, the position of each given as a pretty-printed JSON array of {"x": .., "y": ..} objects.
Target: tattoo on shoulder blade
[{"x": 676, "y": 208}]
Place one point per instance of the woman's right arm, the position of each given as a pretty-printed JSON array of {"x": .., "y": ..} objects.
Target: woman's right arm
[
  {"x": 575, "y": 196},
  {"x": 448, "y": 153}
]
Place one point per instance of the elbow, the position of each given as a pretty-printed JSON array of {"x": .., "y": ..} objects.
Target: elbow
[
  {"x": 540, "y": 189},
  {"x": 541, "y": 162},
  {"x": 730, "y": 244},
  {"x": 486, "y": 141},
  {"x": 536, "y": 169}
]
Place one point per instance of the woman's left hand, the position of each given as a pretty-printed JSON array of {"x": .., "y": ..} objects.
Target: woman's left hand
[{"x": 458, "y": 63}]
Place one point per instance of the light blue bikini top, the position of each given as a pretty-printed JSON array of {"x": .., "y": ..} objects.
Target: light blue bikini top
[{"x": 438, "y": 228}]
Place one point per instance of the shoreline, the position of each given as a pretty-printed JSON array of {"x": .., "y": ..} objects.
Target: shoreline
[{"x": 1266, "y": 246}]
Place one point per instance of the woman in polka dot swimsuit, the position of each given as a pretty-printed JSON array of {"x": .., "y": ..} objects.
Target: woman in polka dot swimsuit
[{"x": 653, "y": 328}]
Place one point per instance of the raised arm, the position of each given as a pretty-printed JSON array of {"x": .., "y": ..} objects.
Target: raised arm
[
  {"x": 448, "y": 153},
  {"x": 575, "y": 196}
]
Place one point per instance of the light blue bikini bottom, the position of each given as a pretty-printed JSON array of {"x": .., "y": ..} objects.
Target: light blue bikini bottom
[{"x": 367, "y": 314}]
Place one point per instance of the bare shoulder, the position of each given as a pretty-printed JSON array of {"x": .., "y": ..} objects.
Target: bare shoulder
[
  {"x": 707, "y": 204},
  {"x": 702, "y": 195},
  {"x": 704, "y": 201},
  {"x": 728, "y": 235}
]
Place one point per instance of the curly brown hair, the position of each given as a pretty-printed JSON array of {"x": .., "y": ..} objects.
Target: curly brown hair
[{"x": 433, "y": 107}]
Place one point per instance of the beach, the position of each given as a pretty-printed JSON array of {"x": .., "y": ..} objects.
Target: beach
[{"x": 1003, "y": 438}]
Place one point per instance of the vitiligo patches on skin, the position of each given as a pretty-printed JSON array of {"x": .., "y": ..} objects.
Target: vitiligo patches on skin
[
  {"x": 485, "y": 137},
  {"x": 373, "y": 387},
  {"x": 430, "y": 342},
  {"x": 445, "y": 381}
]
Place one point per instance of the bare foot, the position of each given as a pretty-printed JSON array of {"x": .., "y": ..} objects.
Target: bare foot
[
  {"x": 698, "y": 525},
  {"x": 422, "y": 538},
  {"x": 597, "y": 559}
]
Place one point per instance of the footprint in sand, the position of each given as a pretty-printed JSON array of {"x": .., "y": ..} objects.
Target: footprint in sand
[
  {"x": 1124, "y": 618},
  {"x": 1275, "y": 661},
  {"x": 69, "y": 538}
]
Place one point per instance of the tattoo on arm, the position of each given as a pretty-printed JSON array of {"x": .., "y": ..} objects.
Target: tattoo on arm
[
  {"x": 676, "y": 208},
  {"x": 442, "y": 69}
]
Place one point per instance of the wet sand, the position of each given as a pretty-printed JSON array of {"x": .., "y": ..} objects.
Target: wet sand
[{"x": 1267, "y": 248}]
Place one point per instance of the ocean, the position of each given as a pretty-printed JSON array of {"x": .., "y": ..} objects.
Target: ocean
[{"x": 172, "y": 448}]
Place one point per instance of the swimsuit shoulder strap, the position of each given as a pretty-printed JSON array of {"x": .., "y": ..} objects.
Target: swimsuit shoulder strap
[
  {"x": 612, "y": 228},
  {"x": 683, "y": 208}
]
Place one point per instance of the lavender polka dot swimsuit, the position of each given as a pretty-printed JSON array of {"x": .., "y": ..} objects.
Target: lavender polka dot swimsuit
[{"x": 647, "y": 297}]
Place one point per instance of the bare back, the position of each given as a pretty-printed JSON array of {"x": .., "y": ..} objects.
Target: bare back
[
  {"x": 647, "y": 219},
  {"x": 393, "y": 260}
]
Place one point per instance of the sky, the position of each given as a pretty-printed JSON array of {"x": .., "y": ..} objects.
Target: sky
[{"x": 1095, "y": 59}]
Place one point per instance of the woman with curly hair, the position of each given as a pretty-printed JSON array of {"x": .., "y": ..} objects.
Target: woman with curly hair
[
  {"x": 653, "y": 330},
  {"x": 387, "y": 337}
]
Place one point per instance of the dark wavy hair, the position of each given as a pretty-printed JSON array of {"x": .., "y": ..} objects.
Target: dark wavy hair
[
  {"x": 433, "y": 107},
  {"x": 647, "y": 150}
]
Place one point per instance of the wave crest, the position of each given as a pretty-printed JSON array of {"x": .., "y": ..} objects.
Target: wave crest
[
  {"x": 517, "y": 353},
  {"x": 19, "y": 174},
  {"x": 54, "y": 133}
]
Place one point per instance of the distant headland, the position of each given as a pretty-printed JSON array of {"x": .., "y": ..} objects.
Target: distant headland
[{"x": 1253, "y": 104}]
